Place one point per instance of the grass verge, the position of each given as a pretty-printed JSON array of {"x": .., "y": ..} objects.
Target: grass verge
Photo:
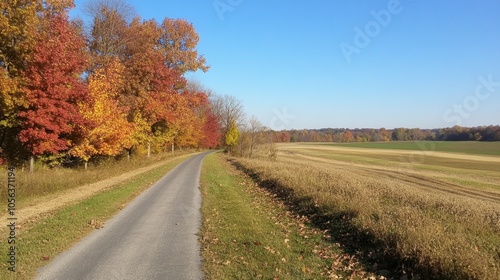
[
  {"x": 40, "y": 241},
  {"x": 248, "y": 233}
]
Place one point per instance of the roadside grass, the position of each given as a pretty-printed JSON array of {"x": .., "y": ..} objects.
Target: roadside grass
[
  {"x": 248, "y": 233},
  {"x": 466, "y": 147},
  {"x": 387, "y": 220},
  {"x": 45, "y": 180},
  {"x": 40, "y": 241}
]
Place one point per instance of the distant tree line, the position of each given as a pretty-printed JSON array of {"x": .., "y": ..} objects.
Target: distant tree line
[{"x": 344, "y": 135}]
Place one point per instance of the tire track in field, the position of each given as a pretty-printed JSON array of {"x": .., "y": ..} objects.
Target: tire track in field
[
  {"x": 419, "y": 181},
  {"x": 449, "y": 155},
  {"x": 436, "y": 185}
]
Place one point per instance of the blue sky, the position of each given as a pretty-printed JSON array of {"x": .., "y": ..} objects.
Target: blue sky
[{"x": 349, "y": 64}]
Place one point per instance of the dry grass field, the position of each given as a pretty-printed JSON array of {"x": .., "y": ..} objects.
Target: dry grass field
[{"x": 414, "y": 214}]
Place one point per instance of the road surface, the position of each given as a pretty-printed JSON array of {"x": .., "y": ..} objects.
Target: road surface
[{"x": 154, "y": 237}]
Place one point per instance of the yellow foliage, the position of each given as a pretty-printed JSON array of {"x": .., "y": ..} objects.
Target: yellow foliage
[
  {"x": 141, "y": 129},
  {"x": 108, "y": 132},
  {"x": 232, "y": 134}
]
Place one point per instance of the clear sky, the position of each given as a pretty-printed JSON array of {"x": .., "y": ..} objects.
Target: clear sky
[{"x": 346, "y": 63}]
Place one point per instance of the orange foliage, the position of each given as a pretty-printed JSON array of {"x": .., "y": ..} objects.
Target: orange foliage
[{"x": 107, "y": 131}]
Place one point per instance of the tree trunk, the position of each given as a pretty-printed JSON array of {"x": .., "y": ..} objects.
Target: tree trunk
[
  {"x": 173, "y": 147},
  {"x": 32, "y": 164},
  {"x": 86, "y": 165},
  {"x": 128, "y": 155},
  {"x": 149, "y": 150}
]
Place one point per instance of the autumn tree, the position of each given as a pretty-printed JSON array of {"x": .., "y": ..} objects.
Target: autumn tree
[
  {"x": 231, "y": 136},
  {"x": 155, "y": 57},
  {"x": 54, "y": 87},
  {"x": 109, "y": 32},
  {"x": 151, "y": 87},
  {"x": 106, "y": 131},
  {"x": 210, "y": 135},
  {"x": 178, "y": 44},
  {"x": 185, "y": 121},
  {"x": 228, "y": 110},
  {"x": 383, "y": 135},
  {"x": 196, "y": 102},
  {"x": 348, "y": 136},
  {"x": 211, "y": 131},
  {"x": 282, "y": 136},
  {"x": 170, "y": 113},
  {"x": 19, "y": 21},
  {"x": 18, "y": 25}
]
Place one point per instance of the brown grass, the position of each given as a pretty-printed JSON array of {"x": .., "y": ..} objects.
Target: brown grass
[
  {"x": 46, "y": 181},
  {"x": 409, "y": 219}
]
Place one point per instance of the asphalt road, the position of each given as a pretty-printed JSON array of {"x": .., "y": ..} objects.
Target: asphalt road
[{"x": 154, "y": 237}]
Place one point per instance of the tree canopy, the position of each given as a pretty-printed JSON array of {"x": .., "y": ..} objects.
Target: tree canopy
[{"x": 119, "y": 87}]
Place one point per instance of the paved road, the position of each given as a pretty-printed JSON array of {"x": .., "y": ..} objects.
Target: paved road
[{"x": 152, "y": 238}]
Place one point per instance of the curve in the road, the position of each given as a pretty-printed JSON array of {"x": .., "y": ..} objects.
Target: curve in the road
[{"x": 154, "y": 237}]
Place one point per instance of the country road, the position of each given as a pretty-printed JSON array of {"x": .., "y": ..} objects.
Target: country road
[{"x": 154, "y": 237}]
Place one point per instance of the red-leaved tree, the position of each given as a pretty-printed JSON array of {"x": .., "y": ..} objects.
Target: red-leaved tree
[
  {"x": 54, "y": 87},
  {"x": 211, "y": 130}
]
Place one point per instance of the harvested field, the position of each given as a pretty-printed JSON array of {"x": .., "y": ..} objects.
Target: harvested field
[{"x": 431, "y": 214}]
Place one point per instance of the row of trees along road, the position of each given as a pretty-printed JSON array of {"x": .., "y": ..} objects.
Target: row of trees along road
[{"x": 115, "y": 85}]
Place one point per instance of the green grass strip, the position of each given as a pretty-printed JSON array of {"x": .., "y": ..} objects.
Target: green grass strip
[
  {"x": 246, "y": 234},
  {"x": 465, "y": 147}
]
